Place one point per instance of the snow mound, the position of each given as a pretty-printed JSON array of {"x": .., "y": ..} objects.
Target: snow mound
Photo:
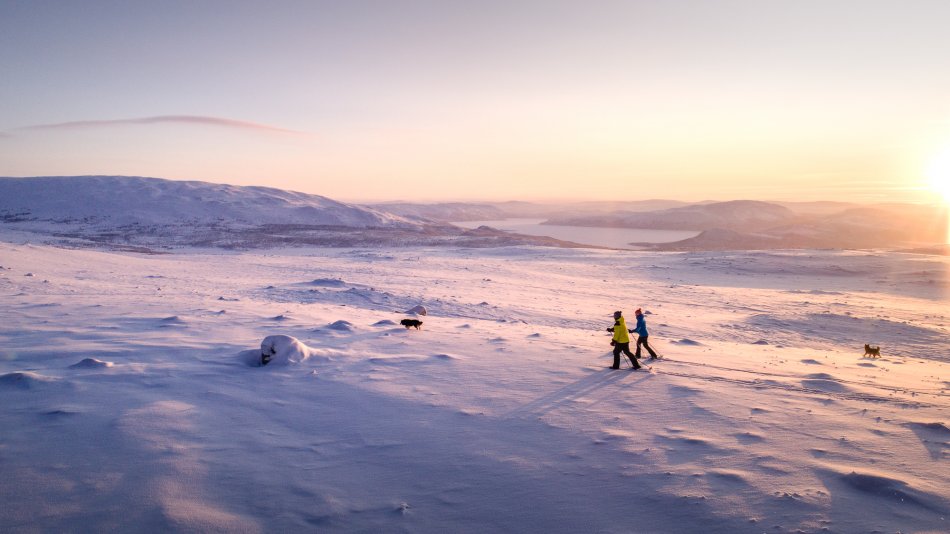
[
  {"x": 892, "y": 489},
  {"x": 385, "y": 322},
  {"x": 820, "y": 376},
  {"x": 91, "y": 363},
  {"x": 825, "y": 385},
  {"x": 328, "y": 282},
  {"x": 686, "y": 341},
  {"x": 23, "y": 380},
  {"x": 341, "y": 326},
  {"x": 418, "y": 310},
  {"x": 172, "y": 322},
  {"x": 935, "y": 437},
  {"x": 283, "y": 350},
  {"x": 938, "y": 428}
]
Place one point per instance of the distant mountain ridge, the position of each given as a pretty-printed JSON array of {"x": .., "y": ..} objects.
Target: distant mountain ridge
[
  {"x": 731, "y": 215},
  {"x": 484, "y": 211},
  {"x": 147, "y": 214},
  {"x": 884, "y": 226},
  {"x": 130, "y": 200},
  {"x": 153, "y": 213}
]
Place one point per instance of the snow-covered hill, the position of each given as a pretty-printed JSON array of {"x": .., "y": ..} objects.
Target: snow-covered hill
[
  {"x": 150, "y": 213},
  {"x": 445, "y": 211},
  {"x": 120, "y": 200}
]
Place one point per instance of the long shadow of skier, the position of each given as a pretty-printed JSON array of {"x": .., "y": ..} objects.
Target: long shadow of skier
[{"x": 576, "y": 390}]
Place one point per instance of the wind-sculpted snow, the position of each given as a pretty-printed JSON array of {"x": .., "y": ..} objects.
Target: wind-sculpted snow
[
  {"x": 133, "y": 395},
  {"x": 277, "y": 350},
  {"x": 848, "y": 330},
  {"x": 24, "y": 380},
  {"x": 92, "y": 363}
]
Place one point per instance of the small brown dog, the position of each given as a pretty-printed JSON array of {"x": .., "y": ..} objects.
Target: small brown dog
[{"x": 874, "y": 352}]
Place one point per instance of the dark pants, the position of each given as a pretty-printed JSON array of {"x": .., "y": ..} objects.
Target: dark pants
[
  {"x": 642, "y": 340},
  {"x": 625, "y": 348}
]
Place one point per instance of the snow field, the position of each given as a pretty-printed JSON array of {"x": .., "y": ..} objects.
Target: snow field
[{"x": 130, "y": 397}]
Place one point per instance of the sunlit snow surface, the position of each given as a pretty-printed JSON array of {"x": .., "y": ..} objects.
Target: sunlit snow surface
[{"x": 131, "y": 396}]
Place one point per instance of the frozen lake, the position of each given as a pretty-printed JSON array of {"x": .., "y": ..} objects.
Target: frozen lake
[{"x": 603, "y": 237}]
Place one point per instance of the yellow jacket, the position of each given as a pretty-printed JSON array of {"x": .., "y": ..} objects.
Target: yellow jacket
[{"x": 620, "y": 331}]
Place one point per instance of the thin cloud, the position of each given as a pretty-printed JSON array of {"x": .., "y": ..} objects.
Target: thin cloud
[{"x": 165, "y": 119}]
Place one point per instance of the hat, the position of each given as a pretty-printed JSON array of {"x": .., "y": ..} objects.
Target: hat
[
  {"x": 638, "y": 312},
  {"x": 618, "y": 312}
]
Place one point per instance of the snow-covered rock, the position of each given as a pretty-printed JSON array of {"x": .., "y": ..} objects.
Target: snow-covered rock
[{"x": 283, "y": 350}]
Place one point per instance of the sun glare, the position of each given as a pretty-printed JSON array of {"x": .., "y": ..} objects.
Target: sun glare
[{"x": 938, "y": 174}]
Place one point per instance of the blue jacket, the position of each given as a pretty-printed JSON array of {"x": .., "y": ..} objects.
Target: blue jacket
[{"x": 641, "y": 328}]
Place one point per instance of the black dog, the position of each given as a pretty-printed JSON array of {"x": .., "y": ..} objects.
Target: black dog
[{"x": 411, "y": 322}]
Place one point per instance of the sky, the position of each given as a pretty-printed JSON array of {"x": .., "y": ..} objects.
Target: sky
[{"x": 509, "y": 100}]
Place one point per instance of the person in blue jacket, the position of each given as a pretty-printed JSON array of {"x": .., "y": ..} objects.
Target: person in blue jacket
[{"x": 642, "y": 335}]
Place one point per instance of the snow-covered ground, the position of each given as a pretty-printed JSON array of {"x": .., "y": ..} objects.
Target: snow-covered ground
[{"x": 129, "y": 399}]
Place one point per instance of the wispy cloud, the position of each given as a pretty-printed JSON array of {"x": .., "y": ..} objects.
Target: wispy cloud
[{"x": 165, "y": 119}]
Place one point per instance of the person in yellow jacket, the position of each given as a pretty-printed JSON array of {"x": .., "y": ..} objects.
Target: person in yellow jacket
[{"x": 621, "y": 341}]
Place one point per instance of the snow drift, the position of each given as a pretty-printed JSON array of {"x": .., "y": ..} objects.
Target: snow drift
[{"x": 280, "y": 350}]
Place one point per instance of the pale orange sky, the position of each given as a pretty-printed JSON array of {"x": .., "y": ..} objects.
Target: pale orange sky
[{"x": 690, "y": 100}]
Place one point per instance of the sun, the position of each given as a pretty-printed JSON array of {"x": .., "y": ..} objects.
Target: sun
[{"x": 938, "y": 174}]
